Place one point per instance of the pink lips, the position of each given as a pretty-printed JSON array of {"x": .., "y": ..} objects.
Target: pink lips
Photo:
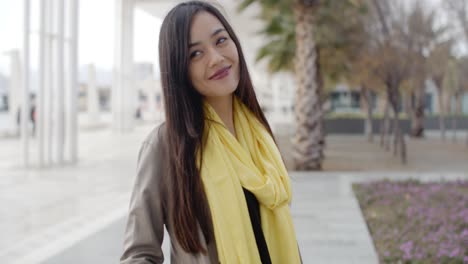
[{"x": 220, "y": 74}]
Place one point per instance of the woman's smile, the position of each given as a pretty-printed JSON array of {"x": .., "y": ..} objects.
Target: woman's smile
[{"x": 221, "y": 73}]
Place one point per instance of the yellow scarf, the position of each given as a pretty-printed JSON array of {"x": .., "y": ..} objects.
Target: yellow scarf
[{"x": 251, "y": 161}]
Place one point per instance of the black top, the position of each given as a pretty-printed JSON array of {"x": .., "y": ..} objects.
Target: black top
[{"x": 254, "y": 212}]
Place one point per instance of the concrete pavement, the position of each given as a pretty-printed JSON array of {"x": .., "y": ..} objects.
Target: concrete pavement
[{"x": 46, "y": 210}]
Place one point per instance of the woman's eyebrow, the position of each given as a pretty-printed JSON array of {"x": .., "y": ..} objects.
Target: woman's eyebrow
[{"x": 219, "y": 30}]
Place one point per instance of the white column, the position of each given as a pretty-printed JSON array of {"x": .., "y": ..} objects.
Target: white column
[
  {"x": 48, "y": 89},
  {"x": 123, "y": 92},
  {"x": 40, "y": 92},
  {"x": 73, "y": 82},
  {"x": 60, "y": 84},
  {"x": 92, "y": 97},
  {"x": 14, "y": 90},
  {"x": 25, "y": 89}
]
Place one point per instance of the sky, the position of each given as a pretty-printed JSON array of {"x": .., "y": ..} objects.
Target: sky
[{"x": 96, "y": 33}]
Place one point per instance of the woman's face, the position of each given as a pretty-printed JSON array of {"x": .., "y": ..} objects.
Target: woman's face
[{"x": 214, "y": 61}]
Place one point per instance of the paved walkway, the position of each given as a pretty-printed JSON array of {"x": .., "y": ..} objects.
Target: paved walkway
[
  {"x": 76, "y": 214},
  {"x": 45, "y": 211}
]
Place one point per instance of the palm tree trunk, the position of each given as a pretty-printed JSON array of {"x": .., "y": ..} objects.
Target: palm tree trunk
[{"x": 308, "y": 142}]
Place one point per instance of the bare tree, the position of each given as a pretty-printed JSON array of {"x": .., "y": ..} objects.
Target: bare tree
[
  {"x": 462, "y": 64},
  {"x": 418, "y": 34},
  {"x": 362, "y": 60},
  {"x": 437, "y": 63},
  {"x": 393, "y": 66},
  {"x": 453, "y": 89},
  {"x": 459, "y": 8}
]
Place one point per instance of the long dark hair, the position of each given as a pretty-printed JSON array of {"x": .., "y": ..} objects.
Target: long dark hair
[{"x": 185, "y": 122}]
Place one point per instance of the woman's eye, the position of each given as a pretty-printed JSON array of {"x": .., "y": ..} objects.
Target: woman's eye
[
  {"x": 194, "y": 54},
  {"x": 221, "y": 40}
]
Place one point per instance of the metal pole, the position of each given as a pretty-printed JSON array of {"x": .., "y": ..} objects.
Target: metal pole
[{"x": 25, "y": 94}]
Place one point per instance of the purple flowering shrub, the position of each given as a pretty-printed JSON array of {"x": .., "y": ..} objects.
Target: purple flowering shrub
[{"x": 413, "y": 222}]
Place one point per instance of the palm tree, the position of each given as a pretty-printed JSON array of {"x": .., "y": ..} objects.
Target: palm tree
[
  {"x": 309, "y": 140},
  {"x": 300, "y": 37}
]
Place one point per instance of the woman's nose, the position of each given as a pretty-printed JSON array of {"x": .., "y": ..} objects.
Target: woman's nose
[{"x": 215, "y": 57}]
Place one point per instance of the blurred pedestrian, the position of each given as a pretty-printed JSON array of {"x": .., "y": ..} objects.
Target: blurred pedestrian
[
  {"x": 138, "y": 113},
  {"x": 32, "y": 117},
  {"x": 18, "y": 117},
  {"x": 212, "y": 173}
]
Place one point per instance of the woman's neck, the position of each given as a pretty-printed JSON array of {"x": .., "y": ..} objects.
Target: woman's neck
[{"x": 223, "y": 107}]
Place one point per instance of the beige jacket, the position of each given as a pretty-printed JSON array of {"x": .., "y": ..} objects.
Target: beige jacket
[{"x": 147, "y": 214}]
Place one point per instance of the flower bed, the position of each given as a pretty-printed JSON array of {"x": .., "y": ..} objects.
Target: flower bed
[{"x": 413, "y": 222}]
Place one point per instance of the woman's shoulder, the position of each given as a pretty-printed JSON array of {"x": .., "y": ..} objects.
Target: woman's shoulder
[
  {"x": 156, "y": 136},
  {"x": 151, "y": 164},
  {"x": 152, "y": 154}
]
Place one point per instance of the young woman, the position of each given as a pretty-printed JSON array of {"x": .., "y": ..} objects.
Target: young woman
[{"x": 212, "y": 173}]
